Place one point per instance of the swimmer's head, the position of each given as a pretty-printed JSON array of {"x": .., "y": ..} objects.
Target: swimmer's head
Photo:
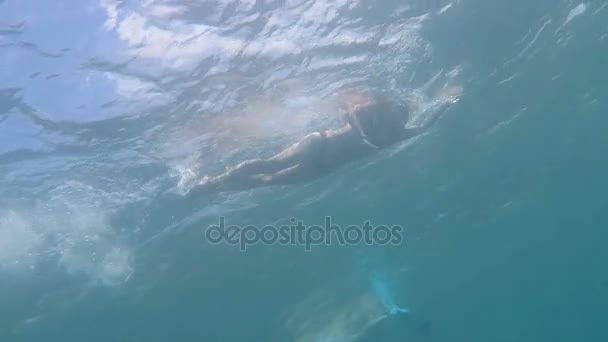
[{"x": 382, "y": 109}]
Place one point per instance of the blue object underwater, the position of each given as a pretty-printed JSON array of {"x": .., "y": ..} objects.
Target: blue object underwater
[{"x": 385, "y": 294}]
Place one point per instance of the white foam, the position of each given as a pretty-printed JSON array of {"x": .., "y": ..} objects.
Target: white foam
[
  {"x": 73, "y": 228},
  {"x": 446, "y": 8},
  {"x": 576, "y": 11},
  {"x": 19, "y": 242},
  {"x": 88, "y": 244}
]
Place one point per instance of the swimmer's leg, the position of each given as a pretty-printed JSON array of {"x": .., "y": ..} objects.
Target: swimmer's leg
[
  {"x": 250, "y": 168},
  {"x": 290, "y": 156},
  {"x": 291, "y": 175},
  {"x": 259, "y": 172},
  {"x": 239, "y": 177}
]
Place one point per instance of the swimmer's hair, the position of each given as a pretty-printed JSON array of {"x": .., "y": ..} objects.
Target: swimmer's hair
[
  {"x": 404, "y": 109},
  {"x": 395, "y": 102},
  {"x": 401, "y": 108},
  {"x": 379, "y": 101}
]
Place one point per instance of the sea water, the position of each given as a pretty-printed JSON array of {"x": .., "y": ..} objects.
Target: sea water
[{"x": 110, "y": 110}]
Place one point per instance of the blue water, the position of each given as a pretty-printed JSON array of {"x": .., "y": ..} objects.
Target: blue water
[{"x": 108, "y": 108}]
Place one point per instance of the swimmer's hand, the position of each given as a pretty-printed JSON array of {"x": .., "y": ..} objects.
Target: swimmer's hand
[
  {"x": 353, "y": 121},
  {"x": 439, "y": 108}
]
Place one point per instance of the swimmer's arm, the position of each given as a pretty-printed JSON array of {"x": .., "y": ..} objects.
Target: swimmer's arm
[
  {"x": 354, "y": 122},
  {"x": 410, "y": 132}
]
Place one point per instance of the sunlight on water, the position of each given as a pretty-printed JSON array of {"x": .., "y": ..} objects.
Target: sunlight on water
[
  {"x": 111, "y": 111},
  {"x": 19, "y": 243}
]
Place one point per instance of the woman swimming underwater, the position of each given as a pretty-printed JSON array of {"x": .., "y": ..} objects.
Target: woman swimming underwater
[{"x": 373, "y": 122}]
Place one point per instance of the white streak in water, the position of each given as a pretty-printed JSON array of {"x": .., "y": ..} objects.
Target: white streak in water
[
  {"x": 538, "y": 33},
  {"x": 576, "y": 11},
  {"x": 600, "y": 8},
  {"x": 446, "y": 8}
]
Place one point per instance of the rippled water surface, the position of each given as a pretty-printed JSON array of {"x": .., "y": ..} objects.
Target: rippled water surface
[{"x": 110, "y": 110}]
